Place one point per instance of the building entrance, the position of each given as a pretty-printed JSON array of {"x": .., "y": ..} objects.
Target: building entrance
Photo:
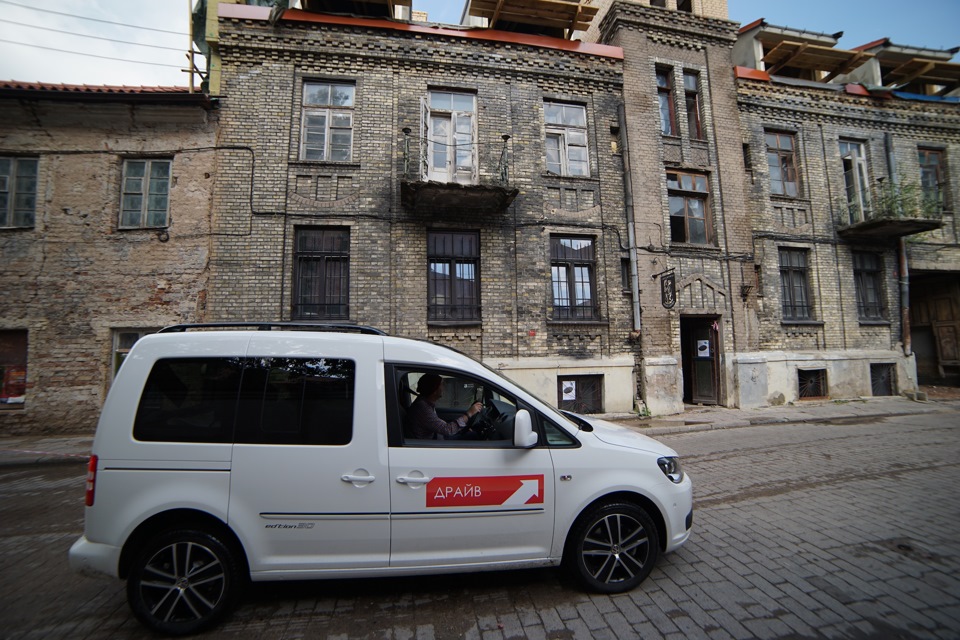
[{"x": 698, "y": 351}]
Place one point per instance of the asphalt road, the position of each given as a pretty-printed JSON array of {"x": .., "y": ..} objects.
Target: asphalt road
[{"x": 800, "y": 531}]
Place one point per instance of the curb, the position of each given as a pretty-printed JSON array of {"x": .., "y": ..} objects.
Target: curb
[{"x": 26, "y": 457}]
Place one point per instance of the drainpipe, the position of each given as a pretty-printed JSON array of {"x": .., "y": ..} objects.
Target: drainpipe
[
  {"x": 628, "y": 210},
  {"x": 904, "y": 269}
]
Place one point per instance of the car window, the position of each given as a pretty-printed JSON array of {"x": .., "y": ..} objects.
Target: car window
[
  {"x": 189, "y": 400},
  {"x": 557, "y": 437},
  {"x": 439, "y": 419},
  {"x": 297, "y": 401}
]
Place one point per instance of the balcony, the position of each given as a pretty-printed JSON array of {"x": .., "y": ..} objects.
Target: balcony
[
  {"x": 444, "y": 177},
  {"x": 889, "y": 212}
]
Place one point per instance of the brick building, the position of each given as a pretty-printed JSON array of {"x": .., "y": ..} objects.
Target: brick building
[
  {"x": 105, "y": 197},
  {"x": 693, "y": 240},
  {"x": 854, "y": 230},
  {"x": 462, "y": 185}
]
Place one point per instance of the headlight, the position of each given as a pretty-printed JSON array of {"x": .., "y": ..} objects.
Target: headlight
[{"x": 671, "y": 468}]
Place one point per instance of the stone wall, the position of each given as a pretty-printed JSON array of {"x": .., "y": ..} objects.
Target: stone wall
[{"x": 75, "y": 278}]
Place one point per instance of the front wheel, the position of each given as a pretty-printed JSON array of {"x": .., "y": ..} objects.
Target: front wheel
[
  {"x": 613, "y": 547},
  {"x": 182, "y": 582}
]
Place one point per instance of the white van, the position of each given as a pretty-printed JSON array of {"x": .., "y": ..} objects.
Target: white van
[{"x": 269, "y": 452}]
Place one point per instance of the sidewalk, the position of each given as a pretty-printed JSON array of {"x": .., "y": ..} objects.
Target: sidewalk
[
  {"x": 32, "y": 450},
  {"x": 700, "y": 418}
]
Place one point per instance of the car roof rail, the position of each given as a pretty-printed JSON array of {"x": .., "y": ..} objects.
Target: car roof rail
[{"x": 333, "y": 327}]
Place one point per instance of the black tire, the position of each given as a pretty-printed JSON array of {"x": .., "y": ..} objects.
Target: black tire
[
  {"x": 612, "y": 547},
  {"x": 183, "y": 581}
]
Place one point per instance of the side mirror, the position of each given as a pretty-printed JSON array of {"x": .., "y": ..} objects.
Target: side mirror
[{"x": 524, "y": 437}]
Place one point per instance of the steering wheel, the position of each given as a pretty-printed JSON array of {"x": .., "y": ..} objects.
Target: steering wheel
[{"x": 482, "y": 422}]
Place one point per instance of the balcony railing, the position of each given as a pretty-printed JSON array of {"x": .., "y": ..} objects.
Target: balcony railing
[
  {"x": 462, "y": 185},
  {"x": 892, "y": 210}
]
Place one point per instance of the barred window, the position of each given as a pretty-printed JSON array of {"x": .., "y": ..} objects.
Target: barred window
[
  {"x": 867, "y": 271},
  {"x": 573, "y": 268},
  {"x": 793, "y": 284},
  {"x": 321, "y": 274},
  {"x": 453, "y": 276}
]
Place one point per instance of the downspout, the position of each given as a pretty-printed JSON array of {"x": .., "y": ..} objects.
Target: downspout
[
  {"x": 904, "y": 269},
  {"x": 628, "y": 210}
]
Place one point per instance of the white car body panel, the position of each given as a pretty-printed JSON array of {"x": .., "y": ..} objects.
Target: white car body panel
[{"x": 305, "y": 511}]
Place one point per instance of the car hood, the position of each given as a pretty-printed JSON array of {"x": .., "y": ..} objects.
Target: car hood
[{"x": 620, "y": 436}]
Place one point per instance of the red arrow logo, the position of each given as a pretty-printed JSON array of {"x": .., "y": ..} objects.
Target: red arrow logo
[{"x": 485, "y": 491}]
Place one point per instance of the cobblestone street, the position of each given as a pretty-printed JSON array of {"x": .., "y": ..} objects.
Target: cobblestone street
[{"x": 844, "y": 530}]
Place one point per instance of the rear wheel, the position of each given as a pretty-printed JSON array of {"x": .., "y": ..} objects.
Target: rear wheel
[
  {"x": 182, "y": 582},
  {"x": 612, "y": 547}
]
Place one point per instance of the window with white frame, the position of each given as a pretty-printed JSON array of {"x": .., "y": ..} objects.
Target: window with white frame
[
  {"x": 123, "y": 341},
  {"x": 856, "y": 186},
  {"x": 327, "y": 129},
  {"x": 451, "y": 135},
  {"x": 145, "y": 201},
  {"x": 566, "y": 139},
  {"x": 18, "y": 192}
]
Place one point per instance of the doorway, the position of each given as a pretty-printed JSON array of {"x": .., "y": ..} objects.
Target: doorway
[{"x": 699, "y": 356}]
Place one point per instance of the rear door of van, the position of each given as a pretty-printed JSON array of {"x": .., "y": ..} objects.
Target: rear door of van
[{"x": 309, "y": 492}]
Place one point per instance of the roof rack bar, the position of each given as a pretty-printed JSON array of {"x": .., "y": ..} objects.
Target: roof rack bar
[{"x": 270, "y": 326}]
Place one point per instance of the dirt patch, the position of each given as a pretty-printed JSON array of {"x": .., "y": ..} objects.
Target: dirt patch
[{"x": 938, "y": 392}]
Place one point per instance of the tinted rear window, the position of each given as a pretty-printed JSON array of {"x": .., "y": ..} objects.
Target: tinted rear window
[
  {"x": 262, "y": 400},
  {"x": 189, "y": 400},
  {"x": 297, "y": 401}
]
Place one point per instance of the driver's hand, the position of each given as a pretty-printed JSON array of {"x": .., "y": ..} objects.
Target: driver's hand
[{"x": 475, "y": 408}]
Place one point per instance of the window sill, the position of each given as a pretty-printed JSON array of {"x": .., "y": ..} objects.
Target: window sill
[
  {"x": 30, "y": 228},
  {"x": 454, "y": 323},
  {"x": 547, "y": 175},
  {"x": 147, "y": 229},
  {"x": 568, "y": 323},
  {"x": 692, "y": 246},
  {"x": 802, "y": 323},
  {"x": 351, "y": 164},
  {"x": 781, "y": 197},
  {"x": 875, "y": 323}
]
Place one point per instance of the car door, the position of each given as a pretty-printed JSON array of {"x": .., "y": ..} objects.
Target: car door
[
  {"x": 462, "y": 502},
  {"x": 310, "y": 491}
]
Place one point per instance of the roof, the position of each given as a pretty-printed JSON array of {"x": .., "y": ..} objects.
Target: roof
[
  {"x": 814, "y": 57},
  {"x": 248, "y": 12},
  {"x": 103, "y": 93},
  {"x": 566, "y": 15}
]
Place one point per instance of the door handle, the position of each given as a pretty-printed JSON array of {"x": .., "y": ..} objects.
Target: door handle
[
  {"x": 357, "y": 479},
  {"x": 413, "y": 479}
]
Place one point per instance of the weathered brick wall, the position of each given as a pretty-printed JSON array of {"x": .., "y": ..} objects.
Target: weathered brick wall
[
  {"x": 263, "y": 73},
  {"x": 709, "y": 277},
  {"x": 819, "y": 118},
  {"x": 75, "y": 277}
]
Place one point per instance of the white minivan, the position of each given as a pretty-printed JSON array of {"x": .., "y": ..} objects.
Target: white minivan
[{"x": 227, "y": 453}]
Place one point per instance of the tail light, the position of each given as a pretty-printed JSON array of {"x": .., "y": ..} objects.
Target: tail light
[{"x": 91, "y": 480}]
